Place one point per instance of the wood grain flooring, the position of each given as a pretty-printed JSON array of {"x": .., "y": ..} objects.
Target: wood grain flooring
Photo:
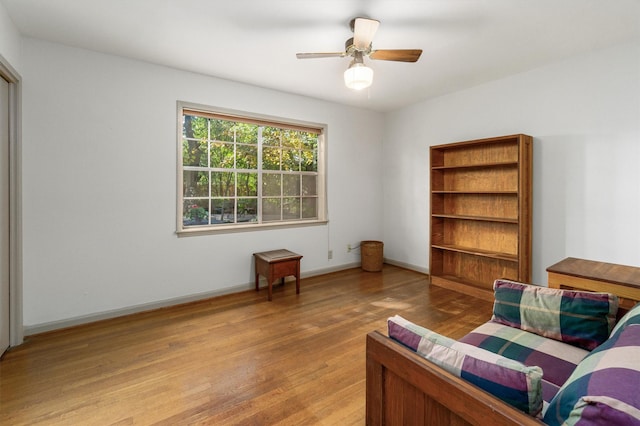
[{"x": 231, "y": 360}]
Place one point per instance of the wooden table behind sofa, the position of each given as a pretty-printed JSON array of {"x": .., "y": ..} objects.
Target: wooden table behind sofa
[{"x": 581, "y": 274}]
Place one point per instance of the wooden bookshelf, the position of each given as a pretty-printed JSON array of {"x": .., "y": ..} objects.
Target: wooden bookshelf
[{"x": 481, "y": 213}]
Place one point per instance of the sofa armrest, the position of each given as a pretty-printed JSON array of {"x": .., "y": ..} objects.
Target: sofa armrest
[{"x": 404, "y": 388}]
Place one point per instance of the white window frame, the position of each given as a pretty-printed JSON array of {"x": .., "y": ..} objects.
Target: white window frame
[{"x": 321, "y": 219}]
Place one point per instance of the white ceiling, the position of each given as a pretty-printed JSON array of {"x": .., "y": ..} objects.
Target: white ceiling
[{"x": 464, "y": 42}]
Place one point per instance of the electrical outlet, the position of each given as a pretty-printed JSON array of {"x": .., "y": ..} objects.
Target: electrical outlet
[
  {"x": 348, "y": 248},
  {"x": 330, "y": 254}
]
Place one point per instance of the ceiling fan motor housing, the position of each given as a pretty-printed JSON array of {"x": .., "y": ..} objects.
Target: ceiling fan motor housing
[{"x": 351, "y": 49}]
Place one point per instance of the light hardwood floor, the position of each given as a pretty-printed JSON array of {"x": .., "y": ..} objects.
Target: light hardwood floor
[{"x": 231, "y": 360}]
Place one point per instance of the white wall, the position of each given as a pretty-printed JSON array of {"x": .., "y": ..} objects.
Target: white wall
[
  {"x": 99, "y": 184},
  {"x": 584, "y": 115},
  {"x": 99, "y": 136},
  {"x": 9, "y": 39}
]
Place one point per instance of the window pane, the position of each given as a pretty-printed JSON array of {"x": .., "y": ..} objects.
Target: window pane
[
  {"x": 291, "y": 208},
  {"x": 223, "y": 211},
  {"x": 246, "y": 133},
  {"x": 291, "y": 139},
  {"x": 223, "y": 184},
  {"x": 270, "y": 209},
  {"x": 291, "y": 185},
  {"x": 271, "y": 136},
  {"x": 194, "y": 152},
  {"x": 222, "y": 155},
  {"x": 309, "y": 185},
  {"x": 222, "y": 130},
  {"x": 247, "y": 209},
  {"x": 195, "y": 184},
  {"x": 291, "y": 160},
  {"x": 309, "y": 161},
  {"x": 247, "y": 184},
  {"x": 247, "y": 157},
  {"x": 195, "y": 127},
  {"x": 309, "y": 208},
  {"x": 271, "y": 184},
  {"x": 310, "y": 141},
  {"x": 271, "y": 158},
  {"x": 196, "y": 212}
]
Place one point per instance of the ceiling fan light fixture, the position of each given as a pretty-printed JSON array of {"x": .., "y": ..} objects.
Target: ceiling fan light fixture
[{"x": 358, "y": 76}]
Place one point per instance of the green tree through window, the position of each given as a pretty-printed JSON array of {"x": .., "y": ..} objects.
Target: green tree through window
[{"x": 245, "y": 171}]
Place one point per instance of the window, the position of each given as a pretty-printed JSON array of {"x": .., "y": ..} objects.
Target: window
[{"x": 240, "y": 171}]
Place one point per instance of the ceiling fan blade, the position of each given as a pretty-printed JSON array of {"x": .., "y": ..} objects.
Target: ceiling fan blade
[
  {"x": 400, "y": 55},
  {"x": 363, "y": 31},
  {"x": 320, "y": 55}
]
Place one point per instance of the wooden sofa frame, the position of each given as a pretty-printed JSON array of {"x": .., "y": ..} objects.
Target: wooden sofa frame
[{"x": 405, "y": 389}]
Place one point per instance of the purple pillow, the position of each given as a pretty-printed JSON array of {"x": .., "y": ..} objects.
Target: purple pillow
[
  {"x": 603, "y": 389},
  {"x": 506, "y": 379}
]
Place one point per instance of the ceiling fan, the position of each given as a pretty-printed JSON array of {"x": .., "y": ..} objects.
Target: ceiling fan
[{"x": 358, "y": 76}]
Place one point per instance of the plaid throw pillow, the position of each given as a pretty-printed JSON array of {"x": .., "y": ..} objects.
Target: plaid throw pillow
[
  {"x": 603, "y": 389},
  {"x": 509, "y": 380},
  {"x": 580, "y": 318}
]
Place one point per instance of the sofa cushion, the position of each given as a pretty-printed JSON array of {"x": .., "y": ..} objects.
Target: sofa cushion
[
  {"x": 631, "y": 317},
  {"x": 557, "y": 359},
  {"x": 603, "y": 389},
  {"x": 509, "y": 380},
  {"x": 580, "y": 318}
]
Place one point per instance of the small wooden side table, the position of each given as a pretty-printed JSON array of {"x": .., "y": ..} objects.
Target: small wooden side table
[{"x": 277, "y": 264}]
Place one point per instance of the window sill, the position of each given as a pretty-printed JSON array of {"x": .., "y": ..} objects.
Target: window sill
[{"x": 228, "y": 229}]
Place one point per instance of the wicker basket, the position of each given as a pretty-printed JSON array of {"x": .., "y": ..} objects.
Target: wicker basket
[{"x": 371, "y": 255}]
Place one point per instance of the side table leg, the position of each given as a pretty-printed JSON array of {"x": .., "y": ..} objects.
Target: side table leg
[
  {"x": 298, "y": 277},
  {"x": 270, "y": 281}
]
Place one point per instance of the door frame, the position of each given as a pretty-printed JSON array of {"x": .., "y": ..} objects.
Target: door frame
[{"x": 16, "y": 330}]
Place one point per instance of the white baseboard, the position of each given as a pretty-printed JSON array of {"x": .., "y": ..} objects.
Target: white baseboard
[
  {"x": 325, "y": 271},
  {"x": 407, "y": 266},
  {"x": 85, "y": 319}
]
